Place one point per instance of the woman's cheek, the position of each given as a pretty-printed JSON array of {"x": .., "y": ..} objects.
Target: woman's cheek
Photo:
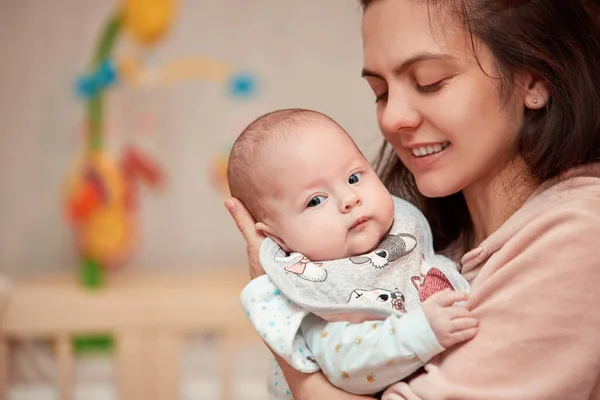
[{"x": 403, "y": 153}]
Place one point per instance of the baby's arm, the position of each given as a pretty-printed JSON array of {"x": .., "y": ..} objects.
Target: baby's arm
[
  {"x": 368, "y": 357},
  {"x": 277, "y": 320},
  {"x": 390, "y": 349}
]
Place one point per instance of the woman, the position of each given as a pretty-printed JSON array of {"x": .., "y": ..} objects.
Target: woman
[{"x": 511, "y": 89}]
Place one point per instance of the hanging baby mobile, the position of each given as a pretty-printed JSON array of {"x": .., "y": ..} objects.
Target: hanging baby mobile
[{"x": 101, "y": 189}]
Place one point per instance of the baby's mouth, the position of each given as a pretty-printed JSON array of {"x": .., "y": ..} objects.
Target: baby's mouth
[{"x": 359, "y": 222}]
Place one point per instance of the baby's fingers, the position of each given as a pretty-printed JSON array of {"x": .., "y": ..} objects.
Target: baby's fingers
[
  {"x": 459, "y": 312},
  {"x": 463, "y": 324},
  {"x": 461, "y": 336},
  {"x": 448, "y": 297}
]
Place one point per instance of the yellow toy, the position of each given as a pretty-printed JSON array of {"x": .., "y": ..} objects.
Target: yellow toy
[
  {"x": 100, "y": 189},
  {"x": 148, "y": 20},
  {"x": 218, "y": 174}
]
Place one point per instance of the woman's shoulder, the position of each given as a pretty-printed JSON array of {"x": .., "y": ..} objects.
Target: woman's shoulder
[
  {"x": 560, "y": 213},
  {"x": 548, "y": 247},
  {"x": 574, "y": 196},
  {"x": 532, "y": 290}
]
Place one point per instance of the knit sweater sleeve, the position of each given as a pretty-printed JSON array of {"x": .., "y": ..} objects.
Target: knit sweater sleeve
[{"x": 536, "y": 300}]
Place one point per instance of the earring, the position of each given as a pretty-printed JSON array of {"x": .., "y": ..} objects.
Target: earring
[{"x": 535, "y": 100}]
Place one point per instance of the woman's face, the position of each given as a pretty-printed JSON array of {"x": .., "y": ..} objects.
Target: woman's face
[{"x": 437, "y": 106}]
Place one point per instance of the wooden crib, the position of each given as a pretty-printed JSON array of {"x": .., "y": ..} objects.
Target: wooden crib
[{"x": 149, "y": 315}]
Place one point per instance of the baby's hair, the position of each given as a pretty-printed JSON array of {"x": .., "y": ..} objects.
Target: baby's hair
[{"x": 250, "y": 150}]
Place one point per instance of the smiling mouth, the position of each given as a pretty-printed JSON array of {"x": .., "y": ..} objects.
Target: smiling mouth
[
  {"x": 359, "y": 222},
  {"x": 430, "y": 150}
]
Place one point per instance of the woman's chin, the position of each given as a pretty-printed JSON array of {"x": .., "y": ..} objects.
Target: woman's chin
[{"x": 433, "y": 190}]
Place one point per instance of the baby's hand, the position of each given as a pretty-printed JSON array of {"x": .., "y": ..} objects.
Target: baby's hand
[{"x": 451, "y": 323}]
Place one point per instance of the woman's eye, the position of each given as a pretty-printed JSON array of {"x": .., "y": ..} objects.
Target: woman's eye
[
  {"x": 315, "y": 201},
  {"x": 434, "y": 87},
  {"x": 354, "y": 178}
]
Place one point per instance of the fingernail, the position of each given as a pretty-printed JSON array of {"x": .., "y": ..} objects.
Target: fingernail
[{"x": 229, "y": 205}]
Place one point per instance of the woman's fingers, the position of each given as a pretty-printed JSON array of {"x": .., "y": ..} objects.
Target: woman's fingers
[
  {"x": 243, "y": 220},
  {"x": 246, "y": 225}
]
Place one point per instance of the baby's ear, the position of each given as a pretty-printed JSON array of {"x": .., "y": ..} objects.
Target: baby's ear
[{"x": 270, "y": 233}]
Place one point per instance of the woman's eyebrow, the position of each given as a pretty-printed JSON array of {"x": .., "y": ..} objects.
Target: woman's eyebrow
[{"x": 400, "y": 69}]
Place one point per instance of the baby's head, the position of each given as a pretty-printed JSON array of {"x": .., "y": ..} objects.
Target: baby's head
[{"x": 308, "y": 186}]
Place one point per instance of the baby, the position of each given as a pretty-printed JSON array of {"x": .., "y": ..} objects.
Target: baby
[{"x": 341, "y": 247}]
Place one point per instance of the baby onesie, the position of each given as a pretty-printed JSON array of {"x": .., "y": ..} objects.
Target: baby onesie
[{"x": 395, "y": 278}]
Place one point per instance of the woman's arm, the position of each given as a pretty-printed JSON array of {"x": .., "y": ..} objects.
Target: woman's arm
[
  {"x": 537, "y": 303},
  {"x": 313, "y": 386}
]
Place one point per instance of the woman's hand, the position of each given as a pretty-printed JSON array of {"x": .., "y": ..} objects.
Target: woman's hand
[{"x": 246, "y": 225}]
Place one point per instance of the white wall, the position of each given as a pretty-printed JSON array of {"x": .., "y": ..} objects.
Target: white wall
[{"x": 306, "y": 54}]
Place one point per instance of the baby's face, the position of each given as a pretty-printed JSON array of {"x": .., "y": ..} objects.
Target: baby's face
[{"x": 330, "y": 204}]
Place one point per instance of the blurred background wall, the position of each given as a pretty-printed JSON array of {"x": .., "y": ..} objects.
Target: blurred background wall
[{"x": 303, "y": 53}]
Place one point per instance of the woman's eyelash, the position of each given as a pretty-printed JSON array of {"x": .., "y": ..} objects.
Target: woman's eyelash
[{"x": 434, "y": 87}]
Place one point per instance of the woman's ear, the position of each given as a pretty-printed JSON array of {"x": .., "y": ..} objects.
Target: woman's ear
[
  {"x": 537, "y": 94},
  {"x": 270, "y": 233}
]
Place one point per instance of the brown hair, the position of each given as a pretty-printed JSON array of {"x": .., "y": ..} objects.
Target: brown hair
[{"x": 558, "y": 41}]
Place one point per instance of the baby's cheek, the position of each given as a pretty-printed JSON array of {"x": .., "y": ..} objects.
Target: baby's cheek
[
  {"x": 385, "y": 214},
  {"x": 324, "y": 243}
]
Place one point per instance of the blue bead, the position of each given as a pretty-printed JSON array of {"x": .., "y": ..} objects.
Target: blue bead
[
  {"x": 85, "y": 87},
  {"x": 106, "y": 74},
  {"x": 242, "y": 85}
]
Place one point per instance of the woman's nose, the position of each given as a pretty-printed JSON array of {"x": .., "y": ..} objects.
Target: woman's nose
[
  {"x": 350, "y": 201},
  {"x": 398, "y": 114}
]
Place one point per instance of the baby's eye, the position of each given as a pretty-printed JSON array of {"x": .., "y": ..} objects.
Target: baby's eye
[
  {"x": 354, "y": 178},
  {"x": 315, "y": 201}
]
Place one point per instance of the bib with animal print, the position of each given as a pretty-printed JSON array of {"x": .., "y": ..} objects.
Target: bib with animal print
[{"x": 399, "y": 274}]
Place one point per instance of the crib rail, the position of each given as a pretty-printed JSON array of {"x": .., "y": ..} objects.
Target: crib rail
[{"x": 149, "y": 316}]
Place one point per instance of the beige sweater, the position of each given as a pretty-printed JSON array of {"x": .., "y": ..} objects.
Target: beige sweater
[{"x": 533, "y": 290}]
